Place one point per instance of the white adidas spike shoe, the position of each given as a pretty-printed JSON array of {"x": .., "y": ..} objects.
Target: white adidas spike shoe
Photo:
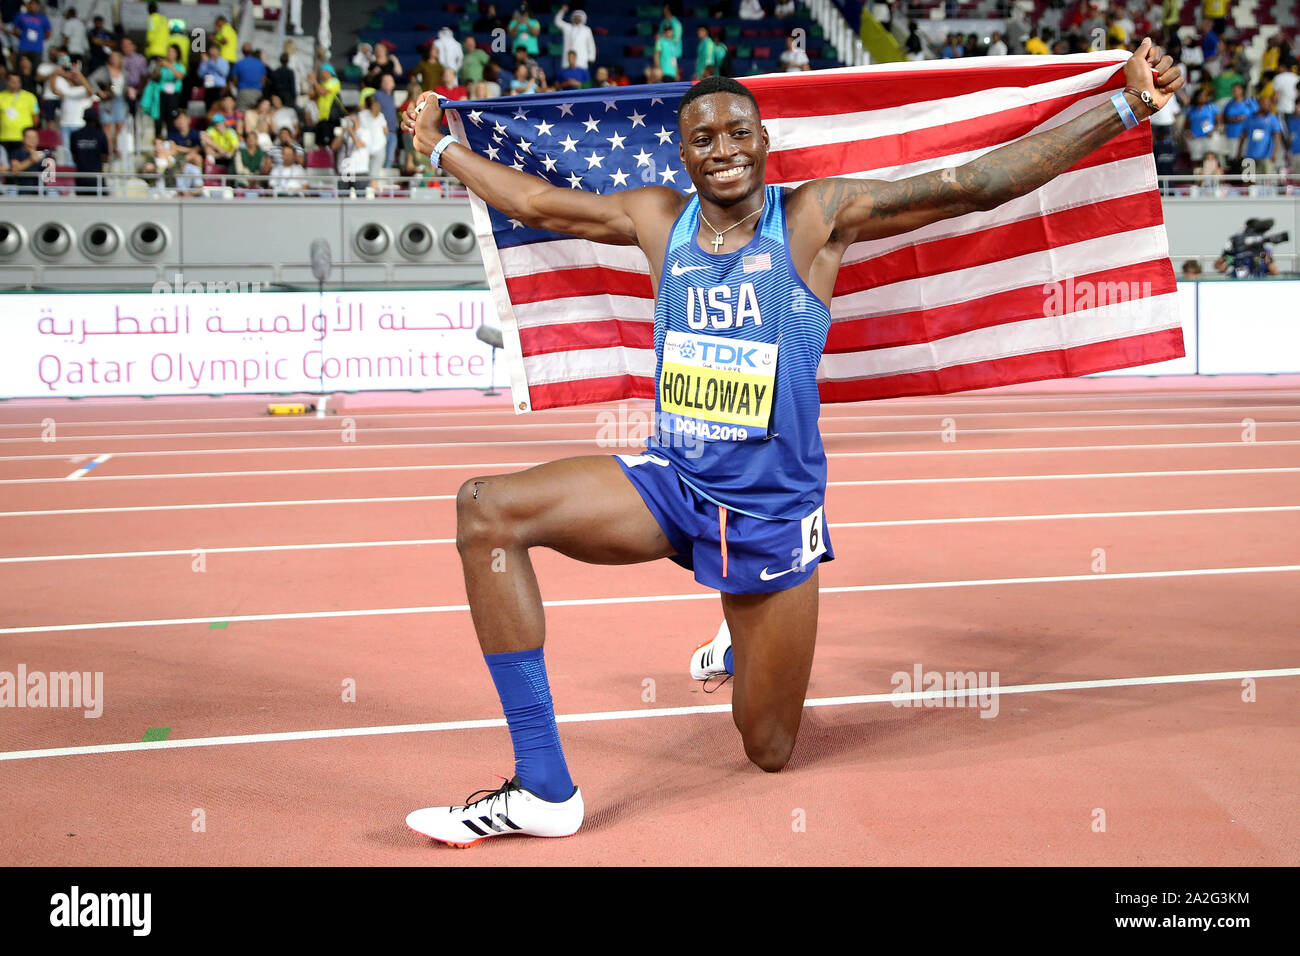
[
  {"x": 707, "y": 661},
  {"x": 510, "y": 809}
]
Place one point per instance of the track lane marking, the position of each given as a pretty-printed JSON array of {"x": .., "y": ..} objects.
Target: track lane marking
[{"x": 643, "y": 714}]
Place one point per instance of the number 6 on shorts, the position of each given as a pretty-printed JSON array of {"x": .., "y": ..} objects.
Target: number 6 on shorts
[{"x": 812, "y": 536}]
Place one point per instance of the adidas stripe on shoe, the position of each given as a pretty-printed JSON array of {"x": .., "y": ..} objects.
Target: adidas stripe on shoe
[
  {"x": 709, "y": 658},
  {"x": 510, "y": 809}
]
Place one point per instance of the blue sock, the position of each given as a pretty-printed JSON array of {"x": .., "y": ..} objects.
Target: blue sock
[
  {"x": 728, "y": 663},
  {"x": 520, "y": 677}
]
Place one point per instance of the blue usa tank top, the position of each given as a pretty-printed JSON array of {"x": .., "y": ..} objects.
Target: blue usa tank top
[{"x": 737, "y": 340}]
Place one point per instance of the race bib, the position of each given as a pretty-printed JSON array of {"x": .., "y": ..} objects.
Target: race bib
[
  {"x": 813, "y": 537},
  {"x": 717, "y": 389}
]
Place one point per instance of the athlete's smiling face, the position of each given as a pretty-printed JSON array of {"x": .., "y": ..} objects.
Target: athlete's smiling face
[{"x": 723, "y": 147}]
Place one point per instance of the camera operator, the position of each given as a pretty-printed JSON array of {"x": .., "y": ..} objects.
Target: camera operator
[{"x": 1249, "y": 254}]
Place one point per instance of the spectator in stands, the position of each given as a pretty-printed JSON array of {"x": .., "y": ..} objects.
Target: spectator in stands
[
  {"x": 214, "y": 74},
  {"x": 89, "y": 147},
  {"x": 189, "y": 174},
  {"x": 75, "y": 97},
  {"x": 1171, "y": 14},
  {"x": 302, "y": 75},
  {"x": 220, "y": 142},
  {"x": 522, "y": 58},
  {"x": 182, "y": 135},
  {"x": 110, "y": 85},
  {"x": 1164, "y": 120},
  {"x": 1166, "y": 152},
  {"x": 45, "y": 73},
  {"x": 1039, "y": 45},
  {"x": 489, "y": 22},
  {"x": 491, "y": 85},
  {"x": 793, "y": 58},
  {"x": 162, "y": 164},
  {"x": 28, "y": 161},
  {"x": 385, "y": 64},
  {"x": 285, "y": 145},
  {"x": 704, "y": 47},
  {"x": 32, "y": 28},
  {"x": 1191, "y": 270},
  {"x": 1017, "y": 28},
  {"x": 136, "y": 67},
  {"x": 573, "y": 77},
  {"x": 283, "y": 117},
  {"x": 1285, "y": 83},
  {"x": 751, "y": 10},
  {"x": 289, "y": 177},
  {"x": 157, "y": 37},
  {"x": 26, "y": 73},
  {"x": 428, "y": 71},
  {"x": 450, "y": 88},
  {"x": 1235, "y": 112},
  {"x": 252, "y": 160},
  {"x": 913, "y": 45},
  {"x": 388, "y": 106},
  {"x": 1269, "y": 62},
  {"x": 1209, "y": 44},
  {"x": 578, "y": 38},
  {"x": 374, "y": 131},
  {"x": 1217, "y": 11},
  {"x": 785, "y": 8},
  {"x": 1202, "y": 126},
  {"x": 1261, "y": 139},
  {"x": 351, "y": 151},
  {"x": 258, "y": 120},
  {"x": 226, "y": 105},
  {"x": 249, "y": 76},
  {"x": 171, "y": 77},
  {"x": 75, "y": 38},
  {"x": 227, "y": 40},
  {"x": 951, "y": 48},
  {"x": 364, "y": 56},
  {"x": 283, "y": 83},
  {"x": 996, "y": 46},
  {"x": 19, "y": 110},
  {"x": 524, "y": 30},
  {"x": 665, "y": 52},
  {"x": 602, "y": 79},
  {"x": 523, "y": 82},
  {"x": 473, "y": 60},
  {"x": 450, "y": 55},
  {"x": 325, "y": 90}
]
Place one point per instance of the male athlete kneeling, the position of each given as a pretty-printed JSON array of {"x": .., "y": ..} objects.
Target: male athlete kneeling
[{"x": 739, "y": 268}]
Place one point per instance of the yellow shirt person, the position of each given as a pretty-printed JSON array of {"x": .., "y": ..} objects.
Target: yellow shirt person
[
  {"x": 227, "y": 41},
  {"x": 1036, "y": 46},
  {"x": 18, "y": 111},
  {"x": 157, "y": 37}
]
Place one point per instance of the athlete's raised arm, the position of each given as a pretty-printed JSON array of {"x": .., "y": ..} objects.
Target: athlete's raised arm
[
  {"x": 853, "y": 210},
  {"x": 611, "y": 218}
]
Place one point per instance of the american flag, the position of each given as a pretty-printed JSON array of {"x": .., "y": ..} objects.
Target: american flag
[{"x": 1014, "y": 294}]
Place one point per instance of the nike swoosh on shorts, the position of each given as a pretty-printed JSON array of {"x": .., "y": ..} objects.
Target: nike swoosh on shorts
[{"x": 763, "y": 575}]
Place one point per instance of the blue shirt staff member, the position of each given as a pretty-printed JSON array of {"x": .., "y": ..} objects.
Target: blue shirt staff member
[{"x": 732, "y": 482}]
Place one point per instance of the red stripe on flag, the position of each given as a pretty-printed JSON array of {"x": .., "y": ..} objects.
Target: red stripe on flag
[
  {"x": 1036, "y": 366},
  {"x": 1000, "y": 308},
  {"x": 916, "y": 145},
  {"x": 587, "y": 391},
  {"x": 596, "y": 334},
  {"x": 589, "y": 280},
  {"x": 999, "y": 243},
  {"x": 823, "y": 94}
]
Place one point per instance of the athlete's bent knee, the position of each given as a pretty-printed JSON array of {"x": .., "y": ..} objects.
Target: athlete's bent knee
[
  {"x": 770, "y": 752},
  {"x": 482, "y": 516}
]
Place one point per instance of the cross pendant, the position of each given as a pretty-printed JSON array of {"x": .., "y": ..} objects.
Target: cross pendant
[{"x": 717, "y": 242}]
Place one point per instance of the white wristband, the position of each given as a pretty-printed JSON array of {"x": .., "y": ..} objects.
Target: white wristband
[{"x": 436, "y": 156}]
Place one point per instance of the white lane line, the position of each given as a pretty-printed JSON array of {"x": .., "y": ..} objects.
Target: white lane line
[
  {"x": 976, "y": 694},
  {"x": 86, "y": 468},
  {"x": 515, "y": 464},
  {"x": 630, "y": 445},
  {"x": 289, "y": 502},
  {"x": 595, "y": 417},
  {"x": 583, "y": 440},
  {"x": 398, "y": 543},
  {"x": 654, "y": 598},
  {"x": 410, "y": 542}
]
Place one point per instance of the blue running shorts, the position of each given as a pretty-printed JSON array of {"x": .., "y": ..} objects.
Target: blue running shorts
[{"x": 728, "y": 550}]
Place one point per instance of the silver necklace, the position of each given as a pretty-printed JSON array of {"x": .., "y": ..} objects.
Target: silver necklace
[{"x": 717, "y": 236}]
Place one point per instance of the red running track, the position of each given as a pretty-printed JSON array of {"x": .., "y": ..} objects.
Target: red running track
[{"x": 1140, "y": 532}]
